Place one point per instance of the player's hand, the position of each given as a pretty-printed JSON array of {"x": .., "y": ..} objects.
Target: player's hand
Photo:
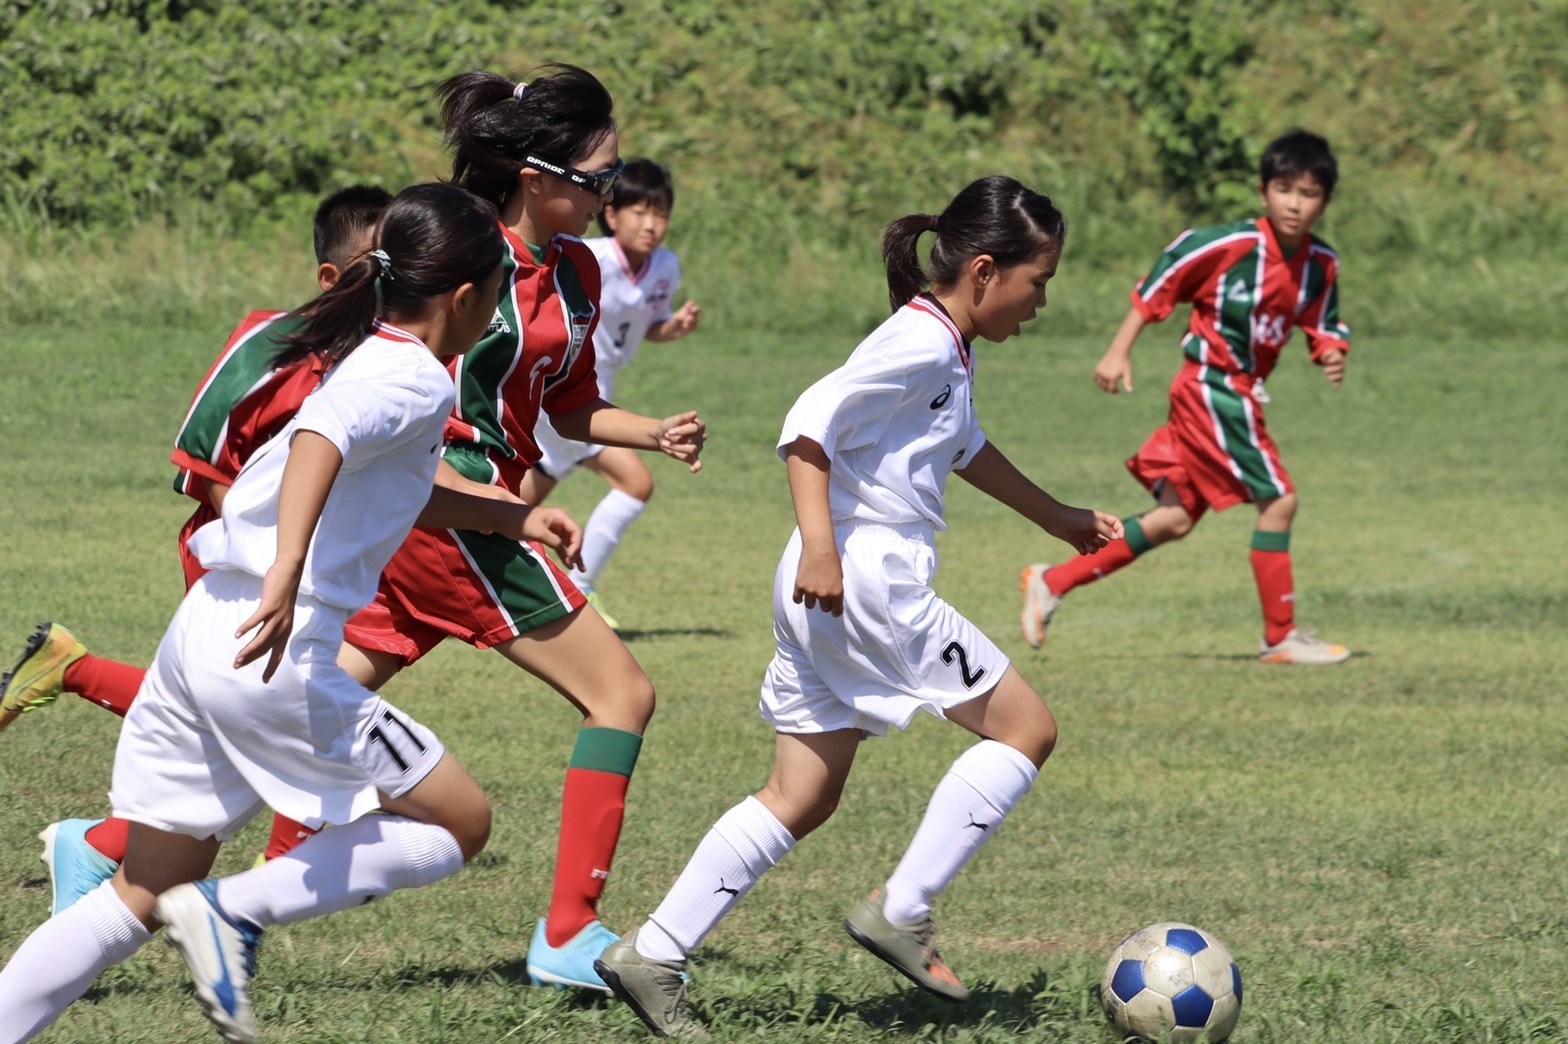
[
  {"x": 819, "y": 582},
  {"x": 1333, "y": 363},
  {"x": 273, "y": 621},
  {"x": 555, "y": 528},
  {"x": 682, "y": 437},
  {"x": 683, "y": 321},
  {"x": 1114, "y": 369},
  {"x": 1086, "y": 530}
]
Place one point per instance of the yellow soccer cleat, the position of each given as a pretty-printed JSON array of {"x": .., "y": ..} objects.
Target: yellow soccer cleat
[{"x": 39, "y": 676}]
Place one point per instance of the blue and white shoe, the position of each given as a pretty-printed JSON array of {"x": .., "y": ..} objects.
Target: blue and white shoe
[
  {"x": 75, "y": 867},
  {"x": 571, "y": 963},
  {"x": 220, "y": 953}
]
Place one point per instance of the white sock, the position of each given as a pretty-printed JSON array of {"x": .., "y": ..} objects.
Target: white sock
[
  {"x": 341, "y": 868},
  {"x": 744, "y": 844},
  {"x": 62, "y": 957},
  {"x": 602, "y": 535},
  {"x": 967, "y": 807}
]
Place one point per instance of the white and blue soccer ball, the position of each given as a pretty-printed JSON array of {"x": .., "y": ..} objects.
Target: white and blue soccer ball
[{"x": 1172, "y": 982}]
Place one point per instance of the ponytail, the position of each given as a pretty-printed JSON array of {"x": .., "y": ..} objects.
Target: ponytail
[
  {"x": 997, "y": 216},
  {"x": 490, "y": 123},
  {"x": 431, "y": 240}
]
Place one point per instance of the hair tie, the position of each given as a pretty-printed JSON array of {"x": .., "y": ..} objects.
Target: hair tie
[
  {"x": 386, "y": 262},
  {"x": 932, "y": 221},
  {"x": 517, "y": 92}
]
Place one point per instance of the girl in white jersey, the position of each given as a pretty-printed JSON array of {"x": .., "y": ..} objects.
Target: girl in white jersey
[
  {"x": 224, "y": 726},
  {"x": 639, "y": 280},
  {"x": 863, "y": 641}
]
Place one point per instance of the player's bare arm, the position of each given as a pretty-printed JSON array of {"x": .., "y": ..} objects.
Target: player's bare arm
[
  {"x": 1113, "y": 373},
  {"x": 1084, "y": 529},
  {"x": 819, "y": 583},
  {"x": 312, "y": 467},
  {"x": 683, "y": 322},
  {"x": 680, "y": 436}
]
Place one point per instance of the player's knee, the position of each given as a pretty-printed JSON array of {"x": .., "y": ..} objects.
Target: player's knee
[
  {"x": 471, "y": 827},
  {"x": 640, "y": 486}
]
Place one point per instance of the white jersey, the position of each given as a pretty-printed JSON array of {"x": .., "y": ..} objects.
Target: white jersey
[
  {"x": 384, "y": 408},
  {"x": 629, "y": 303},
  {"x": 896, "y": 419}
]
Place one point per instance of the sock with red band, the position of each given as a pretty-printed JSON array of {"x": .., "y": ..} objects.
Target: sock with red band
[
  {"x": 1086, "y": 569},
  {"x": 1276, "y": 588},
  {"x": 286, "y": 836},
  {"x": 108, "y": 683},
  {"x": 108, "y": 838},
  {"x": 593, "y": 806}
]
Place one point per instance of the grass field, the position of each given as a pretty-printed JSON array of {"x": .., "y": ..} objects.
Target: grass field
[{"x": 1381, "y": 844}]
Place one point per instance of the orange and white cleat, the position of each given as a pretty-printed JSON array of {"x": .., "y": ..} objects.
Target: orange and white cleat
[
  {"x": 1304, "y": 649},
  {"x": 1039, "y": 603},
  {"x": 910, "y": 949}
]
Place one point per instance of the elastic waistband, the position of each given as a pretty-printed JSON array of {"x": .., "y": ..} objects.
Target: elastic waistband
[{"x": 922, "y": 531}]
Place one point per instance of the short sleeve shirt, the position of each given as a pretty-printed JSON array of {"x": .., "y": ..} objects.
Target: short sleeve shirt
[
  {"x": 895, "y": 420},
  {"x": 629, "y": 304},
  {"x": 384, "y": 407}
]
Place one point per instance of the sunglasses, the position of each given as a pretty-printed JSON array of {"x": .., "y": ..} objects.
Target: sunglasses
[{"x": 599, "y": 182}]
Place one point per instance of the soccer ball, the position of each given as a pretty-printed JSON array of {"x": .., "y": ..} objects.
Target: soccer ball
[{"x": 1174, "y": 979}]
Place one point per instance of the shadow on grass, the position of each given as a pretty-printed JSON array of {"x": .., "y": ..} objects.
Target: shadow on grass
[{"x": 632, "y": 634}]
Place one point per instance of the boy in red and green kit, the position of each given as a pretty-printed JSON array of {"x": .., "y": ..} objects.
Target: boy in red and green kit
[{"x": 1249, "y": 283}]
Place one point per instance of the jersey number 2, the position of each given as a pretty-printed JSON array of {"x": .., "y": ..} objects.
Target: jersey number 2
[{"x": 958, "y": 652}]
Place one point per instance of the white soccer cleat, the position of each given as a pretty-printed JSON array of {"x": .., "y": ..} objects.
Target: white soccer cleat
[
  {"x": 1304, "y": 649},
  {"x": 1039, "y": 603},
  {"x": 220, "y": 953}
]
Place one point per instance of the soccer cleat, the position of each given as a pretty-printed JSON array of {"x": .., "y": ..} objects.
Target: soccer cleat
[
  {"x": 1304, "y": 649},
  {"x": 75, "y": 867},
  {"x": 909, "y": 948},
  {"x": 655, "y": 990},
  {"x": 571, "y": 963},
  {"x": 598, "y": 607},
  {"x": 1039, "y": 603},
  {"x": 39, "y": 676},
  {"x": 220, "y": 953}
]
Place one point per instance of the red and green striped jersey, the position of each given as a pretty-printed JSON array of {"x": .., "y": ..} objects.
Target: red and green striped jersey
[
  {"x": 241, "y": 403},
  {"x": 538, "y": 353},
  {"x": 1246, "y": 295}
]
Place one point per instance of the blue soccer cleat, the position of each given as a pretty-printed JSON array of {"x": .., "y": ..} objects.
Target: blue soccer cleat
[
  {"x": 571, "y": 963},
  {"x": 75, "y": 867},
  {"x": 220, "y": 953}
]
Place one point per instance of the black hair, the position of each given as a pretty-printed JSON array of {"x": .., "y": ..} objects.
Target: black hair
[
  {"x": 560, "y": 116},
  {"x": 995, "y": 215},
  {"x": 1299, "y": 152},
  {"x": 435, "y": 238},
  {"x": 643, "y": 181},
  {"x": 344, "y": 217}
]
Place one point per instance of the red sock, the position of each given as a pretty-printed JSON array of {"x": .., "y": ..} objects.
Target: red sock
[
  {"x": 1277, "y": 593},
  {"x": 1086, "y": 569},
  {"x": 108, "y": 838},
  {"x": 107, "y": 683},
  {"x": 593, "y": 807},
  {"x": 286, "y": 836}
]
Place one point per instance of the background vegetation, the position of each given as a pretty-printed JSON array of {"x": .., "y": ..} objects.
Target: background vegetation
[{"x": 1382, "y": 844}]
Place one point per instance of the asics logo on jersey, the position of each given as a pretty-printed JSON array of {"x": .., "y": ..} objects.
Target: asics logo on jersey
[
  {"x": 941, "y": 400},
  {"x": 1268, "y": 330}
]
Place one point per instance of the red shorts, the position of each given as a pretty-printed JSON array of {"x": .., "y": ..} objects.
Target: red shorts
[
  {"x": 483, "y": 589},
  {"x": 1214, "y": 450},
  {"x": 188, "y": 563}
]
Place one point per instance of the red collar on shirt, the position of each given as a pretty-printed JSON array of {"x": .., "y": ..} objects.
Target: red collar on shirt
[{"x": 928, "y": 304}]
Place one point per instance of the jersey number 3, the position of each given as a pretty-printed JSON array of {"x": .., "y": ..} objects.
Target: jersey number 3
[{"x": 954, "y": 651}]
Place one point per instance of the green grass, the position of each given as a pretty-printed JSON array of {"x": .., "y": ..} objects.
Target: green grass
[{"x": 1381, "y": 844}]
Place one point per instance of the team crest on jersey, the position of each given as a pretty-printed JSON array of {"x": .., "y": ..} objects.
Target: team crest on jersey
[
  {"x": 658, "y": 294},
  {"x": 577, "y": 328}
]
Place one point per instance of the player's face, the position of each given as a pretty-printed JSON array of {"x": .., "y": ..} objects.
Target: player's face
[
  {"x": 639, "y": 228},
  {"x": 1012, "y": 296},
  {"x": 565, "y": 207},
  {"x": 1293, "y": 204}
]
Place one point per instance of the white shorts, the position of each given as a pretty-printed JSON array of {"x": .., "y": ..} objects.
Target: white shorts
[
  {"x": 561, "y": 455},
  {"x": 206, "y": 746},
  {"x": 897, "y": 649}
]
